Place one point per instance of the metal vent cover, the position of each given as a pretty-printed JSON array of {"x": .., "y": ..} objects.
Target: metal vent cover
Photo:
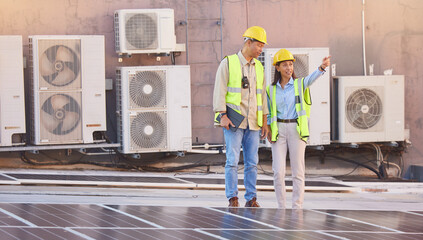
[
  {"x": 301, "y": 66},
  {"x": 364, "y": 108},
  {"x": 60, "y": 116},
  {"x": 147, "y": 89},
  {"x": 59, "y": 63},
  {"x": 141, "y": 31},
  {"x": 148, "y": 130}
]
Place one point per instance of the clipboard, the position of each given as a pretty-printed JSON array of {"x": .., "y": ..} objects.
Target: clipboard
[{"x": 235, "y": 118}]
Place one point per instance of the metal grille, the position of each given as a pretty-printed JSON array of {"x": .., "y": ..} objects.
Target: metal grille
[
  {"x": 31, "y": 85},
  {"x": 262, "y": 58},
  {"x": 116, "y": 27},
  {"x": 141, "y": 31},
  {"x": 364, "y": 108},
  {"x": 60, "y": 117},
  {"x": 59, "y": 64},
  {"x": 149, "y": 131},
  {"x": 119, "y": 105},
  {"x": 147, "y": 89},
  {"x": 301, "y": 65}
]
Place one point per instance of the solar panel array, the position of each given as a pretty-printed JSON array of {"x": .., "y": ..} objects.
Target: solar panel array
[{"x": 97, "y": 221}]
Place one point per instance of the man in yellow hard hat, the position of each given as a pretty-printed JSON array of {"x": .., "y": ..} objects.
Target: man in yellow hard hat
[{"x": 240, "y": 86}]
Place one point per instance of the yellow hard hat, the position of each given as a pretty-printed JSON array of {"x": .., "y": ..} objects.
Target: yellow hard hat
[
  {"x": 256, "y": 33},
  {"x": 283, "y": 55}
]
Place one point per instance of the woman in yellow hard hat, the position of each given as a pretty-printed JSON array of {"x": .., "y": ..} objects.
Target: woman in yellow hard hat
[{"x": 289, "y": 106}]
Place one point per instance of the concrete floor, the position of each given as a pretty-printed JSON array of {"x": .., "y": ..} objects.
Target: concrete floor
[{"x": 362, "y": 196}]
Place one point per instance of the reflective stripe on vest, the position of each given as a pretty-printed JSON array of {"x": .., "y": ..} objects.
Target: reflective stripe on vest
[
  {"x": 273, "y": 112},
  {"x": 233, "y": 95},
  {"x": 302, "y": 108},
  {"x": 302, "y": 121}
]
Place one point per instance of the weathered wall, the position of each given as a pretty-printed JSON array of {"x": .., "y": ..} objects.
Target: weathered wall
[{"x": 394, "y": 39}]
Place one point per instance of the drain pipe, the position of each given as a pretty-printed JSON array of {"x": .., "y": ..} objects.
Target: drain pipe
[
  {"x": 363, "y": 25},
  {"x": 186, "y": 30},
  {"x": 221, "y": 29}
]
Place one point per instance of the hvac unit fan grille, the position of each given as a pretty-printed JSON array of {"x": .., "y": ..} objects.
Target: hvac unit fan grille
[
  {"x": 364, "y": 108},
  {"x": 141, "y": 31},
  {"x": 262, "y": 58},
  {"x": 147, "y": 89},
  {"x": 301, "y": 66},
  {"x": 148, "y": 131},
  {"x": 59, "y": 64},
  {"x": 60, "y": 117}
]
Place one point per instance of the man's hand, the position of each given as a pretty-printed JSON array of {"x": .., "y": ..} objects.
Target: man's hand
[
  {"x": 269, "y": 135},
  {"x": 225, "y": 122},
  {"x": 264, "y": 131}
]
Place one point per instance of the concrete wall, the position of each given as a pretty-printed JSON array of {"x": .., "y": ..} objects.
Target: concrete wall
[{"x": 394, "y": 39}]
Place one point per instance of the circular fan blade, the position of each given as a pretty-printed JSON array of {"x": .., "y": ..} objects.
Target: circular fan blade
[
  {"x": 46, "y": 66},
  {"x": 64, "y": 54},
  {"x": 49, "y": 121},
  {"x": 61, "y": 114},
  {"x": 141, "y": 31},
  {"x": 59, "y": 65},
  {"x": 70, "y": 121},
  {"x": 47, "y": 107},
  {"x": 64, "y": 77},
  {"x": 364, "y": 108},
  {"x": 59, "y": 101}
]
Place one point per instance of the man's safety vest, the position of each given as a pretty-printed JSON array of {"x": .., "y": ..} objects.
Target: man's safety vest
[
  {"x": 233, "y": 95},
  {"x": 302, "y": 107}
]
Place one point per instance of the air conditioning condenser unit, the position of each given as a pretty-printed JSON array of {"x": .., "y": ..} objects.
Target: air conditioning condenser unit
[
  {"x": 368, "y": 109},
  {"x": 12, "y": 96},
  {"x": 145, "y": 31},
  {"x": 68, "y": 102},
  {"x": 154, "y": 108}
]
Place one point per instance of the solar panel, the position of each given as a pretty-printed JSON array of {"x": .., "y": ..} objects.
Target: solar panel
[
  {"x": 394, "y": 220},
  {"x": 4, "y": 179},
  {"x": 13, "y": 233},
  {"x": 302, "y": 219},
  {"x": 96, "y": 221},
  {"x": 144, "y": 234},
  {"x": 266, "y": 234},
  {"x": 70, "y": 215},
  {"x": 378, "y": 236},
  {"x": 188, "y": 217},
  {"x": 100, "y": 178}
]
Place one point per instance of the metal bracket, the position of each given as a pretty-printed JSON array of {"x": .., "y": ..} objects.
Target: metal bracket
[{"x": 320, "y": 147}]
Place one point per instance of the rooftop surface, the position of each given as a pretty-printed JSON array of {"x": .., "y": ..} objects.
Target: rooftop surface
[{"x": 74, "y": 204}]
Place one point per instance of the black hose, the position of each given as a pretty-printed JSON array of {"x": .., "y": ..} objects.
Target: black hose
[{"x": 358, "y": 163}]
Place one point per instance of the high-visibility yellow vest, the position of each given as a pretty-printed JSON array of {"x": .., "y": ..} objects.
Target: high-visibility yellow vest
[
  {"x": 302, "y": 107},
  {"x": 233, "y": 95}
]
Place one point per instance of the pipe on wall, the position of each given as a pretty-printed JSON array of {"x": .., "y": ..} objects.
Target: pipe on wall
[
  {"x": 363, "y": 26},
  {"x": 186, "y": 31}
]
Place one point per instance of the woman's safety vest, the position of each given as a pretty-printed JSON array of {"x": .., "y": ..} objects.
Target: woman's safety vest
[
  {"x": 233, "y": 95},
  {"x": 302, "y": 107}
]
